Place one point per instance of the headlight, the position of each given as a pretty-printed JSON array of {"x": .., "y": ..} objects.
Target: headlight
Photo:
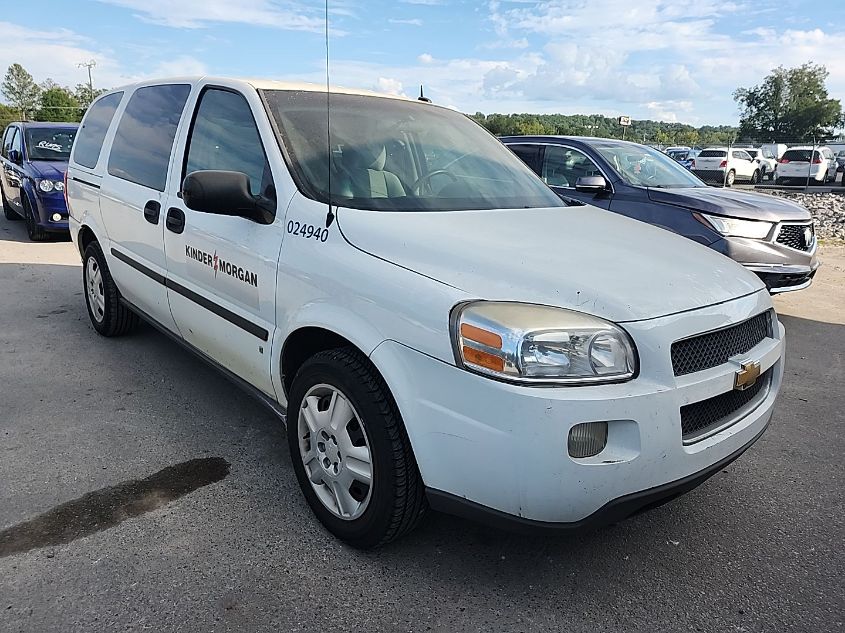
[
  {"x": 732, "y": 227},
  {"x": 521, "y": 342},
  {"x": 49, "y": 185}
]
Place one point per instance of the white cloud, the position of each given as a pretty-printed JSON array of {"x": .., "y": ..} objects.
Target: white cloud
[
  {"x": 389, "y": 86},
  {"x": 410, "y": 22},
  {"x": 192, "y": 14},
  {"x": 425, "y": 58},
  {"x": 56, "y": 53}
]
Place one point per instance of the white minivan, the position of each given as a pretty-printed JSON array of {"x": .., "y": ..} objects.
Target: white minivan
[{"x": 436, "y": 326}]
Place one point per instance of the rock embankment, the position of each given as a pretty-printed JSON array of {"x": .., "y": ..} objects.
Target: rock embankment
[{"x": 828, "y": 211}]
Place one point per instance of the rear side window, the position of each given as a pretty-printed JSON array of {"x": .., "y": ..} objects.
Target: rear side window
[
  {"x": 713, "y": 153},
  {"x": 144, "y": 139},
  {"x": 224, "y": 136},
  {"x": 89, "y": 139},
  {"x": 529, "y": 154}
]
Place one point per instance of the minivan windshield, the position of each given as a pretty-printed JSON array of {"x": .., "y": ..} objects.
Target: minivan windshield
[
  {"x": 396, "y": 155},
  {"x": 643, "y": 166},
  {"x": 49, "y": 143}
]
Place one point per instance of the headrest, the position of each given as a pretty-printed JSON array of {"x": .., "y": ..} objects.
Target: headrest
[{"x": 365, "y": 157}]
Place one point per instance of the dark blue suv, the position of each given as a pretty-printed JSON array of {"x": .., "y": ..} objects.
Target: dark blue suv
[{"x": 34, "y": 161}]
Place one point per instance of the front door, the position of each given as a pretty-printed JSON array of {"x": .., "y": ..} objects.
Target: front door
[
  {"x": 222, "y": 269},
  {"x": 562, "y": 167},
  {"x": 12, "y": 173}
]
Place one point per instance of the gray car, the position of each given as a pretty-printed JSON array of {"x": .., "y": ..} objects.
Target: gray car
[{"x": 771, "y": 236}]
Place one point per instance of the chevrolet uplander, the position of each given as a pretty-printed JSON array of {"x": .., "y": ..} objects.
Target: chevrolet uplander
[{"x": 435, "y": 325}]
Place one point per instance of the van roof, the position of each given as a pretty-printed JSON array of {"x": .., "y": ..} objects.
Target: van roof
[{"x": 259, "y": 84}]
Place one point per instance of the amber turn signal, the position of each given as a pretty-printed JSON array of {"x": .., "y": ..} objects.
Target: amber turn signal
[
  {"x": 480, "y": 335},
  {"x": 483, "y": 359}
]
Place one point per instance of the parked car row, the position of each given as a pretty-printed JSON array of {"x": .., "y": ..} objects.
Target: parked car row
[{"x": 728, "y": 165}]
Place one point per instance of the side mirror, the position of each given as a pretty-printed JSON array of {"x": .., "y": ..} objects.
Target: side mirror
[
  {"x": 15, "y": 157},
  {"x": 590, "y": 184},
  {"x": 226, "y": 193}
]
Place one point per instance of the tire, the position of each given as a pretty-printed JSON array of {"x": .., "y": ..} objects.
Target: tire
[
  {"x": 762, "y": 173},
  {"x": 730, "y": 179},
  {"x": 394, "y": 501},
  {"x": 35, "y": 232},
  {"x": 755, "y": 177},
  {"x": 108, "y": 316},
  {"x": 8, "y": 211}
]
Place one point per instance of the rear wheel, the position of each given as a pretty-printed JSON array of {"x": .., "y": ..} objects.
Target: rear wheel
[
  {"x": 35, "y": 232},
  {"x": 350, "y": 450},
  {"x": 730, "y": 178},
  {"x": 108, "y": 316}
]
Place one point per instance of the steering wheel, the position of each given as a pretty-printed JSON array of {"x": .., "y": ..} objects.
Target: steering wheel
[{"x": 417, "y": 186}]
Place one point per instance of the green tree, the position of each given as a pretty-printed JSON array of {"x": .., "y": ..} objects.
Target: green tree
[
  {"x": 790, "y": 104},
  {"x": 85, "y": 96},
  {"x": 20, "y": 90},
  {"x": 58, "y": 104},
  {"x": 7, "y": 115}
]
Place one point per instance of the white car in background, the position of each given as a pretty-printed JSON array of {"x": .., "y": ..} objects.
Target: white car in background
[
  {"x": 796, "y": 166},
  {"x": 766, "y": 160},
  {"x": 726, "y": 165}
]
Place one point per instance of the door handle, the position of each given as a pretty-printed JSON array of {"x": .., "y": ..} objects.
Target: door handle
[
  {"x": 175, "y": 220},
  {"x": 151, "y": 211}
]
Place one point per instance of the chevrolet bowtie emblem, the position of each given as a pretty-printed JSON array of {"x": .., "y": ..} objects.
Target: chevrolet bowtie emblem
[{"x": 747, "y": 375}]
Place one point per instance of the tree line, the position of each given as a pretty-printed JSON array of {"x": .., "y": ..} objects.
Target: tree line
[
  {"x": 641, "y": 131},
  {"x": 48, "y": 101}
]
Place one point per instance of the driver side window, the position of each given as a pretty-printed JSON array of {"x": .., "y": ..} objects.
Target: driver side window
[
  {"x": 224, "y": 136},
  {"x": 563, "y": 166}
]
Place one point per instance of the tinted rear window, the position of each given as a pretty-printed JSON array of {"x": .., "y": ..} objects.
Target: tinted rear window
[
  {"x": 89, "y": 139},
  {"x": 713, "y": 153},
  {"x": 798, "y": 155},
  {"x": 144, "y": 138}
]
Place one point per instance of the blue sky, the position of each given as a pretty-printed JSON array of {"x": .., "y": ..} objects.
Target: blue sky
[{"x": 662, "y": 59}]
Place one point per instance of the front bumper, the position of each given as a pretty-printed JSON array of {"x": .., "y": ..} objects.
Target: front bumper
[
  {"x": 781, "y": 267},
  {"x": 504, "y": 447},
  {"x": 46, "y": 207}
]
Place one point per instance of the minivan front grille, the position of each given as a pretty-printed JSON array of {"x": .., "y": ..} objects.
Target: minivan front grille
[
  {"x": 700, "y": 417},
  {"x": 794, "y": 236},
  {"x": 715, "y": 348}
]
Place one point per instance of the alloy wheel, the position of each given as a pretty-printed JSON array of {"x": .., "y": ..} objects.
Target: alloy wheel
[
  {"x": 94, "y": 289},
  {"x": 334, "y": 448}
]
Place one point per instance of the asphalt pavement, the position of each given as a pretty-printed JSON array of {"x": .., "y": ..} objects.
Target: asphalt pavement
[{"x": 140, "y": 490}]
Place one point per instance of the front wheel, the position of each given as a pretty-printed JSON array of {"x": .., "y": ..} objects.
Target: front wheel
[
  {"x": 35, "y": 232},
  {"x": 108, "y": 316},
  {"x": 350, "y": 450},
  {"x": 8, "y": 211},
  {"x": 755, "y": 178},
  {"x": 730, "y": 178}
]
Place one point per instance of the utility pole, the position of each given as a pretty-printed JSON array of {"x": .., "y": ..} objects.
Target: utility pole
[{"x": 89, "y": 65}]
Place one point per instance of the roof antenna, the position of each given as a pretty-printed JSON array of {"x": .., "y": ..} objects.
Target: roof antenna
[
  {"x": 422, "y": 97},
  {"x": 330, "y": 215}
]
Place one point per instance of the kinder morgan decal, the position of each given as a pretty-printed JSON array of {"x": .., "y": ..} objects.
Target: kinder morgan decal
[{"x": 218, "y": 264}]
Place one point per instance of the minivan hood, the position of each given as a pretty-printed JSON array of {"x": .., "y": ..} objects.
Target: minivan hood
[
  {"x": 48, "y": 169},
  {"x": 733, "y": 203},
  {"x": 582, "y": 258}
]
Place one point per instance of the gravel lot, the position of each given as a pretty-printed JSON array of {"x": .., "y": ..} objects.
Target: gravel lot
[{"x": 757, "y": 548}]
